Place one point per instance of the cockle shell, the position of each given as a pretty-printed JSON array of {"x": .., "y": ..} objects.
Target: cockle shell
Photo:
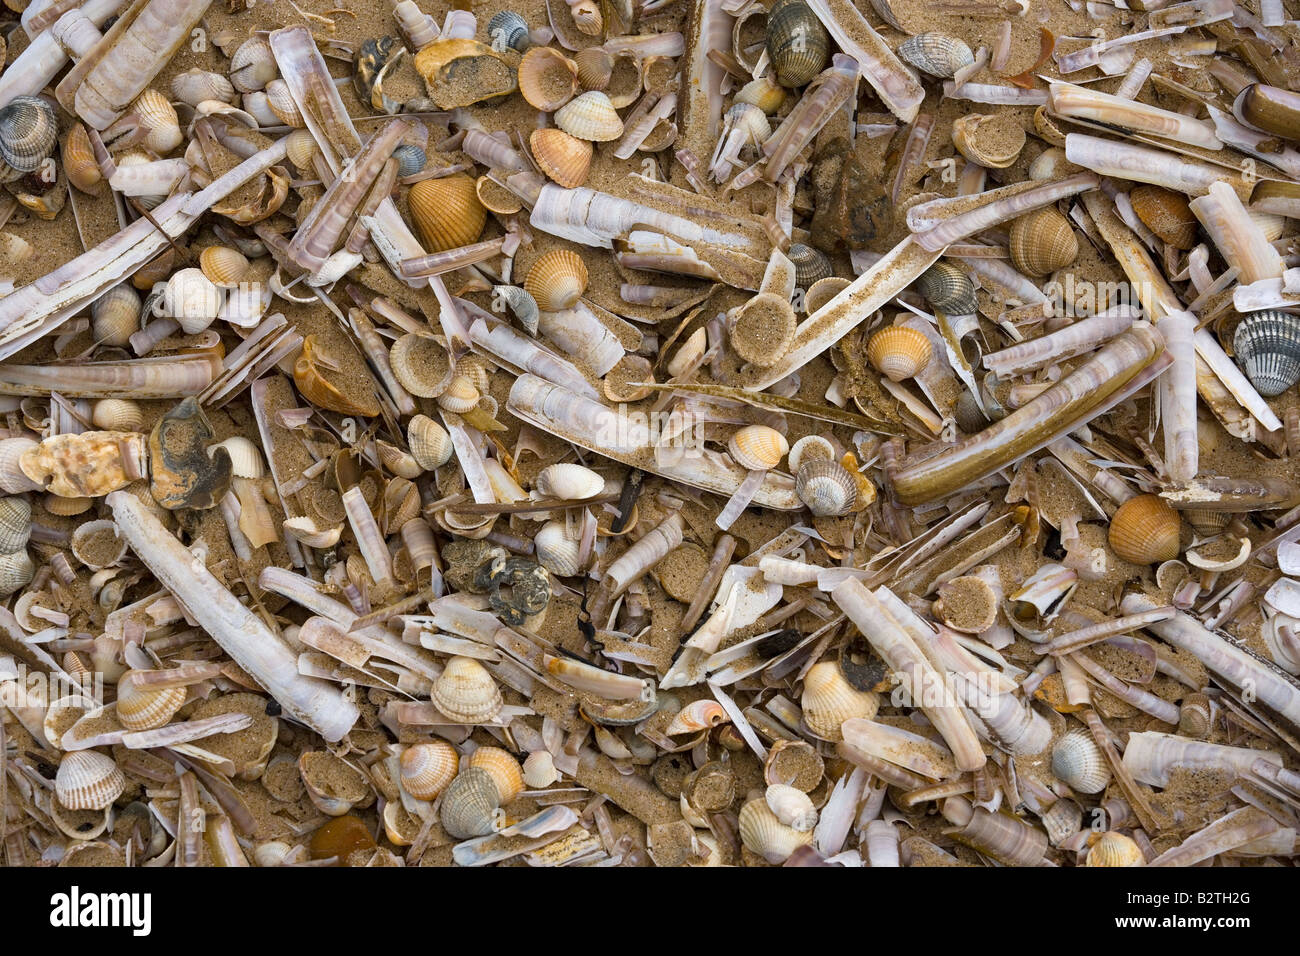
[
  {"x": 547, "y": 78},
  {"x": 312, "y": 373},
  {"x": 421, "y": 366},
  {"x": 496, "y": 198},
  {"x": 79, "y": 159},
  {"x": 401, "y": 463},
  {"x": 300, "y": 147},
  {"x": 539, "y": 770},
  {"x": 428, "y": 769},
  {"x": 594, "y": 68},
  {"x": 245, "y": 457},
  {"x": 28, "y": 132},
  {"x": 936, "y": 54},
  {"x": 758, "y": 447},
  {"x": 1145, "y": 530},
  {"x": 762, "y": 833},
  {"x": 98, "y": 544},
  {"x": 67, "y": 507},
  {"x": 826, "y": 488},
  {"x": 807, "y": 449},
  {"x": 1042, "y": 242},
  {"x": 446, "y": 212},
  {"x": 899, "y": 352},
  {"x": 791, "y": 806},
  {"x": 252, "y": 66},
  {"x": 810, "y": 265},
  {"x": 470, "y": 804},
  {"x": 117, "y": 415},
  {"x": 158, "y": 121},
  {"x": 1115, "y": 849},
  {"x": 624, "y": 84},
  {"x": 115, "y": 315},
  {"x": 968, "y": 604},
  {"x": 762, "y": 329},
  {"x": 590, "y": 116},
  {"x": 1078, "y": 762},
  {"x": 410, "y": 159},
  {"x": 948, "y": 289},
  {"x": 1267, "y": 347},
  {"x": 765, "y": 93},
  {"x": 88, "y": 780},
  {"x": 697, "y": 716},
  {"x": 15, "y": 524},
  {"x": 88, "y": 465},
  {"x": 16, "y": 571},
  {"x": 829, "y": 699},
  {"x": 223, "y": 266},
  {"x": 429, "y": 442},
  {"x": 797, "y": 43},
  {"x": 1196, "y": 716},
  {"x": 459, "y": 396},
  {"x": 192, "y": 299},
  {"x": 1062, "y": 820},
  {"x": 508, "y": 28},
  {"x": 13, "y": 480},
  {"x": 333, "y": 784},
  {"x": 557, "y": 280},
  {"x": 557, "y": 551},
  {"x": 144, "y": 708},
  {"x": 563, "y": 158},
  {"x": 195, "y": 86},
  {"x": 465, "y": 692},
  {"x": 504, "y": 770},
  {"x": 568, "y": 481},
  {"x": 990, "y": 140}
]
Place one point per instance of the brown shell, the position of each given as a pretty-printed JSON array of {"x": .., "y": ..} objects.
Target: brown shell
[
  {"x": 594, "y": 68},
  {"x": 182, "y": 472},
  {"x": 312, "y": 374},
  {"x": 564, "y": 158},
  {"x": 557, "y": 280},
  {"x": 446, "y": 211},
  {"x": 1042, "y": 242},
  {"x": 462, "y": 71},
  {"x": 797, "y": 43},
  {"x": 1145, "y": 530},
  {"x": 428, "y": 768},
  {"x": 547, "y": 78},
  {"x": 79, "y": 160},
  {"x": 1166, "y": 213},
  {"x": 504, "y": 770}
]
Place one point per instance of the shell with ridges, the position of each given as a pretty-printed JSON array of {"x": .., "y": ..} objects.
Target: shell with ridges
[
  {"x": 539, "y": 770},
  {"x": 557, "y": 280},
  {"x": 67, "y": 507},
  {"x": 898, "y": 352},
  {"x": 117, "y": 415},
  {"x": 88, "y": 780},
  {"x": 826, "y": 487},
  {"x": 300, "y": 147},
  {"x": 1078, "y": 762},
  {"x": 410, "y": 159},
  {"x": 797, "y": 43},
  {"x": 696, "y": 716},
  {"x": 401, "y": 463},
  {"x": 460, "y": 395},
  {"x": 245, "y": 457},
  {"x": 446, "y": 212},
  {"x": 427, "y": 769},
  {"x": 557, "y": 551},
  {"x": 223, "y": 266},
  {"x": 1145, "y": 530},
  {"x": 990, "y": 140},
  {"x": 1267, "y": 347},
  {"x": 590, "y": 116},
  {"x": 810, "y": 265},
  {"x": 144, "y": 708},
  {"x": 758, "y": 447},
  {"x": 429, "y": 442},
  {"x": 594, "y": 68},
  {"x": 115, "y": 315},
  {"x": 28, "y": 132},
  {"x": 1166, "y": 213},
  {"x": 79, "y": 159},
  {"x": 547, "y": 78},
  {"x": 470, "y": 804},
  {"x": 504, "y": 770},
  {"x": 13, "y": 480},
  {"x": 157, "y": 117},
  {"x": 252, "y": 66},
  {"x": 1115, "y": 849},
  {"x": 762, "y": 833},
  {"x": 762, "y": 329},
  {"x": 192, "y": 299},
  {"x": 564, "y": 158},
  {"x": 466, "y": 692},
  {"x": 421, "y": 365},
  {"x": 15, "y": 524},
  {"x": 569, "y": 481},
  {"x": 508, "y": 28},
  {"x": 1196, "y": 716},
  {"x": 936, "y": 54},
  {"x": 829, "y": 699},
  {"x": 195, "y": 86},
  {"x": 1042, "y": 242},
  {"x": 282, "y": 104},
  {"x": 16, "y": 571},
  {"x": 948, "y": 288},
  {"x": 791, "y": 806}
]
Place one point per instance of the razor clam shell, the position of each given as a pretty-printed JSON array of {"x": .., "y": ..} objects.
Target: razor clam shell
[{"x": 146, "y": 378}]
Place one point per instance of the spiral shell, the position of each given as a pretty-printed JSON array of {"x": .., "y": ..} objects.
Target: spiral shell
[
  {"x": 557, "y": 551},
  {"x": 563, "y": 158},
  {"x": 410, "y": 160},
  {"x": 829, "y": 700},
  {"x": 810, "y": 265},
  {"x": 459, "y": 396},
  {"x": 470, "y": 804},
  {"x": 504, "y": 770},
  {"x": 590, "y": 116},
  {"x": 427, "y": 769},
  {"x": 79, "y": 159},
  {"x": 429, "y": 442},
  {"x": 1267, "y": 347},
  {"x": 1115, "y": 849},
  {"x": 568, "y": 481},
  {"x": 1145, "y": 530},
  {"x": 446, "y": 212},
  {"x": 1166, "y": 213},
  {"x": 191, "y": 299},
  {"x": 88, "y": 780},
  {"x": 508, "y": 28},
  {"x": 539, "y": 770},
  {"x": 594, "y": 68},
  {"x": 144, "y": 708},
  {"x": 421, "y": 366},
  {"x": 252, "y": 65},
  {"x": 1078, "y": 762},
  {"x": 557, "y": 280},
  {"x": 758, "y": 447},
  {"x": 797, "y": 43},
  {"x": 300, "y": 147},
  {"x": 16, "y": 571},
  {"x": 948, "y": 289},
  {"x": 826, "y": 488},
  {"x": 696, "y": 716},
  {"x": 28, "y": 132},
  {"x": 466, "y": 692},
  {"x": 1042, "y": 242},
  {"x": 936, "y": 54},
  {"x": 898, "y": 352},
  {"x": 117, "y": 415},
  {"x": 223, "y": 266},
  {"x": 762, "y": 833},
  {"x": 547, "y": 78},
  {"x": 791, "y": 806},
  {"x": 195, "y": 86},
  {"x": 762, "y": 330},
  {"x": 993, "y": 141}
]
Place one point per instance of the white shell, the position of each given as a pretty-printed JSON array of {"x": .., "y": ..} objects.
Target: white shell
[
  {"x": 764, "y": 834},
  {"x": 1078, "y": 762},
  {"x": 792, "y": 807},
  {"x": 245, "y": 457},
  {"x": 192, "y": 300},
  {"x": 88, "y": 780},
  {"x": 568, "y": 481},
  {"x": 539, "y": 770},
  {"x": 556, "y": 551}
]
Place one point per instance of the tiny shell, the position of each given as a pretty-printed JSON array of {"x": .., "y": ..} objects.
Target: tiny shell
[
  {"x": 1145, "y": 530},
  {"x": 993, "y": 141},
  {"x": 591, "y": 116},
  {"x": 144, "y": 708},
  {"x": 428, "y": 769},
  {"x": 470, "y": 804},
  {"x": 792, "y": 807},
  {"x": 829, "y": 699},
  {"x": 826, "y": 488},
  {"x": 1078, "y": 762},
  {"x": 697, "y": 716},
  {"x": 547, "y": 78},
  {"x": 764, "y": 834},
  {"x": 936, "y": 54},
  {"x": 465, "y": 692},
  {"x": 88, "y": 780},
  {"x": 1042, "y": 242},
  {"x": 758, "y": 447},
  {"x": 1115, "y": 849},
  {"x": 1196, "y": 716},
  {"x": 948, "y": 289},
  {"x": 568, "y": 481},
  {"x": 446, "y": 211},
  {"x": 539, "y": 770},
  {"x": 508, "y": 28},
  {"x": 504, "y": 770},
  {"x": 564, "y": 158},
  {"x": 898, "y": 352},
  {"x": 421, "y": 366},
  {"x": 223, "y": 266},
  {"x": 429, "y": 442},
  {"x": 557, "y": 280},
  {"x": 15, "y": 524},
  {"x": 797, "y": 43},
  {"x": 1267, "y": 346}
]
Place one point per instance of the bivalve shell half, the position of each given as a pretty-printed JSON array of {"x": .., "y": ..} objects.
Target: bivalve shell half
[
  {"x": 1166, "y": 213},
  {"x": 829, "y": 699},
  {"x": 300, "y": 147},
  {"x": 1145, "y": 530},
  {"x": 88, "y": 780},
  {"x": 144, "y": 708},
  {"x": 948, "y": 289},
  {"x": 245, "y": 457},
  {"x": 421, "y": 366},
  {"x": 504, "y": 770},
  {"x": 590, "y": 116},
  {"x": 98, "y": 544},
  {"x": 1042, "y": 242},
  {"x": 446, "y": 211},
  {"x": 1115, "y": 849},
  {"x": 568, "y": 481},
  {"x": 410, "y": 159},
  {"x": 594, "y": 68},
  {"x": 117, "y": 415},
  {"x": 459, "y": 396},
  {"x": 808, "y": 449},
  {"x": 28, "y": 132},
  {"x": 195, "y": 86},
  {"x": 427, "y": 770},
  {"x": 252, "y": 66},
  {"x": 547, "y": 78},
  {"x": 158, "y": 120},
  {"x": 465, "y": 692},
  {"x": 1267, "y": 346},
  {"x": 990, "y": 140},
  {"x": 758, "y": 447},
  {"x": 15, "y": 524},
  {"x": 797, "y": 43},
  {"x": 192, "y": 299},
  {"x": 79, "y": 159},
  {"x": 810, "y": 265},
  {"x": 509, "y": 29},
  {"x": 764, "y": 834},
  {"x": 557, "y": 551},
  {"x": 557, "y": 280},
  {"x": 1078, "y": 762},
  {"x": 470, "y": 804},
  {"x": 429, "y": 442},
  {"x": 115, "y": 316},
  {"x": 563, "y": 158},
  {"x": 460, "y": 71},
  {"x": 16, "y": 571},
  {"x": 968, "y": 604},
  {"x": 898, "y": 352},
  {"x": 282, "y": 104},
  {"x": 223, "y": 266},
  {"x": 826, "y": 487},
  {"x": 762, "y": 329},
  {"x": 539, "y": 770},
  {"x": 936, "y": 54},
  {"x": 791, "y": 806}
]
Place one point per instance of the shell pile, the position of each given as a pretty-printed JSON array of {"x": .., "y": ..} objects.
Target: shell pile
[{"x": 701, "y": 433}]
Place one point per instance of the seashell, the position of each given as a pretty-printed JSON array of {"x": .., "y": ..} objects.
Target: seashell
[
  {"x": 309, "y": 531},
  {"x": 401, "y": 502},
  {"x": 282, "y": 104},
  {"x": 79, "y": 161},
  {"x": 421, "y": 366},
  {"x": 587, "y": 16},
  {"x": 1196, "y": 716},
  {"x": 826, "y": 487},
  {"x": 1145, "y": 530},
  {"x": 300, "y": 147},
  {"x": 1078, "y": 762},
  {"x": 762, "y": 833},
  {"x": 192, "y": 300},
  {"x": 429, "y": 442},
  {"x": 539, "y": 770},
  {"x": 590, "y": 116},
  {"x": 252, "y": 65},
  {"x": 465, "y": 692},
  {"x": 764, "y": 92},
  {"x": 761, "y": 330},
  {"x": 968, "y": 604},
  {"x": 822, "y": 291},
  {"x": 410, "y": 159},
  {"x": 88, "y": 780},
  {"x": 117, "y": 415},
  {"x": 13, "y": 480},
  {"x": 936, "y": 54},
  {"x": 504, "y": 770},
  {"x": 808, "y": 449},
  {"x": 557, "y": 551},
  {"x": 333, "y": 785},
  {"x": 547, "y": 78},
  {"x": 223, "y": 266},
  {"x": 115, "y": 316},
  {"x": 475, "y": 369},
  {"x": 470, "y": 804},
  {"x": 697, "y": 716},
  {"x": 898, "y": 352},
  {"x": 446, "y": 212},
  {"x": 1042, "y": 242},
  {"x": 569, "y": 482},
  {"x": 88, "y": 464},
  {"x": 509, "y": 29},
  {"x": 594, "y": 68},
  {"x": 1267, "y": 347},
  {"x": 993, "y": 141},
  {"x": 1166, "y": 213},
  {"x": 28, "y": 132},
  {"x": 97, "y": 544},
  {"x": 829, "y": 699},
  {"x": 373, "y": 59},
  {"x": 1051, "y": 164},
  {"x": 1115, "y": 849},
  {"x": 948, "y": 289},
  {"x": 400, "y": 463},
  {"x": 496, "y": 198},
  {"x": 312, "y": 371},
  {"x": 195, "y": 86},
  {"x": 15, "y": 524},
  {"x": 797, "y": 43},
  {"x": 462, "y": 71},
  {"x": 624, "y": 84},
  {"x": 427, "y": 770},
  {"x": 1062, "y": 820},
  {"x": 144, "y": 708},
  {"x": 67, "y": 507},
  {"x": 791, "y": 806},
  {"x": 1270, "y": 226},
  {"x": 460, "y": 395},
  {"x": 563, "y": 158},
  {"x": 810, "y": 265},
  {"x": 245, "y": 457},
  {"x": 557, "y": 280},
  {"x": 16, "y": 571},
  {"x": 1269, "y": 108},
  {"x": 158, "y": 121},
  {"x": 758, "y": 447}
]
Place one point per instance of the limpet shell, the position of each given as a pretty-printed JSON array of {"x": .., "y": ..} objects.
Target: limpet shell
[
  {"x": 1042, "y": 242},
  {"x": 446, "y": 211},
  {"x": 899, "y": 352},
  {"x": 88, "y": 780},
  {"x": 547, "y": 78},
  {"x": 1145, "y": 530},
  {"x": 936, "y": 54},
  {"x": 563, "y": 158},
  {"x": 797, "y": 43},
  {"x": 557, "y": 280},
  {"x": 1078, "y": 762},
  {"x": 428, "y": 769},
  {"x": 829, "y": 699},
  {"x": 1267, "y": 347},
  {"x": 590, "y": 116},
  {"x": 465, "y": 692}
]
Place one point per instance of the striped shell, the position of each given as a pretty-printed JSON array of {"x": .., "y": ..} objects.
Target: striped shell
[
  {"x": 1078, "y": 762},
  {"x": 470, "y": 804},
  {"x": 791, "y": 806},
  {"x": 936, "y": 54},
  {"x": 16, "y": 571},
  {"x": 157, "y": 118},
  {"x": 1145, "y": 530},
  {"x": 696, "y": 716},
  {"x": 504, "y": 770},
  {"x": 194, "y": 86},
  {"x": 1196, "y": 715},
  {"x": 547, "y": 78},
  {"x": 252, "y": 66},
  {"x": 829, "y": 699},
  {"x": 762, "y": 833},
  {"x": 466, "y": 692},
  {"x": 557, "y": 280},
  {"x": 13, "y": 480},
  {"x": 539, "y": 770},
  {"x": 300, "y": 147},
  {"x": 568, "y": 481},
  {"x": 557, "y": 551},
  {"x": 508, "y": 28},
  {"x": 223, "y": 266},
  {"x": 428, "y": 769},
  {"x": 948, "y": 289},
  {"x": 429, "y": 442},
  {"x": 822, "y": 291},
  {"x": 88, "y": 780},
  {"x": 15, "y": 524},
  {"x": 146, "y": 708},
  {"x": 590, "y": 116},
  {"x": 993, "y": 141},
  {"x": 797, "y": 43},
  {"x": 28, "y": 132},
  {"x": 595, "y": 67},
  {"x": 564, "y": 158},
  {"x": 808, "y": 449},
  {"x": 67, "y": 507},
  {"x": 898, "y": 352},
  {"x": 826, "y": 488},
  {"x": 410, "y": 159},
  {"x": 1267, "y": 347},
  {"x": 1166, "y": 213},
  {"x": 762, "y": 330},
  {"x": 758, "y": 447},
  {"x": 459, "y": 396},
  {"x": 79, "y": 159},
  {"x": 282, "y": 104},
  {"x": 1115, "y": 849},
  {"x": 810, "y": 265},
  {"x": 117, "y": 415},
  {"x": 1062, "y": 820},
  {"x": 764, "y": 92},
  {"x": 1042, "y": 241},
  {"x": 421, "y": 365},
  {"x": 115, "y": 315},
  {"x": 446, "y": 212}
]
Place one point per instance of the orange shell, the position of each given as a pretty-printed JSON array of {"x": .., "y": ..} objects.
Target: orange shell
[
  {"x": 1145, "y": 530},
  {"x": 564, "y": 158},
  {"x": 446, "y": 211},
  {"x": 557, "y": 280},
  {"x": 898, "y": 352},
  {"x": 1042, "y": 241},
  {"x": 1166, "y": 213},
  {"x": 309, "y": 374}
]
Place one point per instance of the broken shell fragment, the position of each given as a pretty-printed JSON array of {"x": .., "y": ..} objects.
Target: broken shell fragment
[
  {"x": 182, "y": 473},
  {"x": 461, "y": 72},
  {"x": 88, "y": 465},
  {"x": 993, "y": 141}
]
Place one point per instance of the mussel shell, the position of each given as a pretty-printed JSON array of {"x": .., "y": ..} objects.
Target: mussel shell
[
  {"x": 1267, "y": 346},
  {"x": 797, "y": 43},
  {"x": 28, "y": 132}
]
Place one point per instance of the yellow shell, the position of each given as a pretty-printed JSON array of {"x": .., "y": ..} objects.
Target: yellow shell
[
  {"x": 429, "y": 442},
  {"x": 564, "y": 158},
  {"x": 557, "y": 280},
  {"x": 466, "y": 692},
  {"x": 79, "y": 160},
  {"x": 1115, "y": 849},
  {"x": 223, "y": 266},
  {"x": 462, "y": 71},
  {"x": 460, "y": 396},
  {"x": 829, "y": 700},
  {"x": 764, "y": 834},
  {"x": 1042, "y": 241},
  {"x": 67, "y": 507},
  {"x": 146, "y": 708},
  {"x": 469, "y": 805},
  {"x": 504, "y": 770},
  {"x": 1166, "y": 213},
  {"x": 1145, "y": 530},
  {"x": 590, "y": 116},
  {"x": 594, "y": 67},
  {"x": 758, "y": 447},
  {"x": 311, "y": 376},
  {"x": 117, "y": 415},
  {"x": 898, "y": 352},
  {"x": 446, "y": 211},
  {"x": 115, "y": 315},
  {"x": 547, "y": 78},
  {"x": 300, "y": 147},
  {"x": 427, "y": 769},
  {"x": 993, "y": 141},
  {"x": 88, "y": 780},
  {"x": 764, "y": 92}
]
